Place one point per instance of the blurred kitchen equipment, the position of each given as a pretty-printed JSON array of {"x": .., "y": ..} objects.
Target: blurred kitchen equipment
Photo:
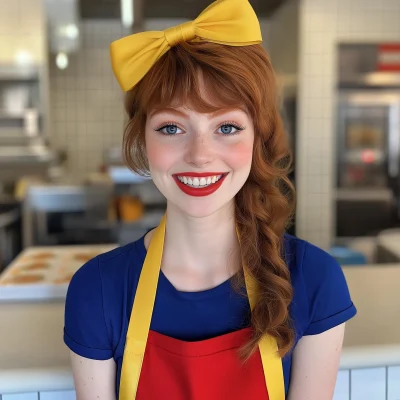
[
  {"x": 23, "y": 122},
  {"x": 130, "y": 208},
  {"x": 93, "y": 211},
  {"x": 140, "y": 203},
  {"x": 20, "y": 93},
  {"x": 388, "y": 245},
  {"x": 368, "y": 143},
  {"x": 66, "y": 213},
  {"x": 10, "y": 232},
  {"x": 347, "y": 256},
  {"x": 127, "y": 182}
]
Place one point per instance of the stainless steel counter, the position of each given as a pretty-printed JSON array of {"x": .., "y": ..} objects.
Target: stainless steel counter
[{"x": 18, "y": 161}]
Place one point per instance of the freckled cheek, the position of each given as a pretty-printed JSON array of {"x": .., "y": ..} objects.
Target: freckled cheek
[
  {"x": 239, "y": 155},
  {"x": 161, "y": 157}
]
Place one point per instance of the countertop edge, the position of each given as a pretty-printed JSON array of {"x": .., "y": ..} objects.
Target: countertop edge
[
  {"x": 370, "y": 356},
  {"x": 60, "y": 378},
  {"x": 35, "y": 380}
]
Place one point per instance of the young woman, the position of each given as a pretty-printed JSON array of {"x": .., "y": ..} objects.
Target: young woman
[{"x": 217, "y": 302}]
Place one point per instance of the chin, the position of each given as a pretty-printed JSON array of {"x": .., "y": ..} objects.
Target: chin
[{"x": 203, "y": 208}]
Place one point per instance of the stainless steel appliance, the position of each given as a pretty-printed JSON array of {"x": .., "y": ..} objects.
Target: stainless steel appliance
[
  {"x": 66, "y": 213},
  {"x": 368, "y": 143},
  {"x": 368, "y": 153},
  {"x": 10, "y": 231},
  {"x": 23, "y": 122}
]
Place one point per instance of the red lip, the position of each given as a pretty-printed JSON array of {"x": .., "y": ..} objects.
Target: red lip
[
  {"x": 200, "y": 175},
  {"x": 198, "y": 192}
]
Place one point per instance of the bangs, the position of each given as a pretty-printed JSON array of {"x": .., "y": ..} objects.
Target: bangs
[{"x": 198, "y": 80}]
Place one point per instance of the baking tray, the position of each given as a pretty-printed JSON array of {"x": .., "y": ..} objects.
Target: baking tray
[{"x": 43, "y": 273}]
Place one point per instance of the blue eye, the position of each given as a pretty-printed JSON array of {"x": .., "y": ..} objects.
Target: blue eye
[
  {"x": 169, "y": 130},
  {"x": 230, "y": 129}
]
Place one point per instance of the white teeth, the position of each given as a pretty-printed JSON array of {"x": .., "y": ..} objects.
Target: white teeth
[
  {"x": 196, "y": 182},
  {"x": 200, "y": 182}
]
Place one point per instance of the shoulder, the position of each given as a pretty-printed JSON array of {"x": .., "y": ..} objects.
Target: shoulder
[
  {"x": 105, "y": 276},
  {"x": 112, "y": 265},
  {"x": 110, "y": 277},
  {"x": 321, "y": 298},
  {"x": 103, "y": 288}
]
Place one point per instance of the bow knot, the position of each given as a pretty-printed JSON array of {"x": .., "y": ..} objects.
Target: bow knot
[
  {"x": 227, "y": 22},
  {"x": 180, "y": 33}
]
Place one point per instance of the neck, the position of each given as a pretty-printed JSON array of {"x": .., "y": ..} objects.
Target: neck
[{"x": 203, "y": 246}]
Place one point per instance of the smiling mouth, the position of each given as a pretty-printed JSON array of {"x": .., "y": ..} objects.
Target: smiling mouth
[
  {"x": 195, "y": 184},
  {"x": 199, "y": 181}
]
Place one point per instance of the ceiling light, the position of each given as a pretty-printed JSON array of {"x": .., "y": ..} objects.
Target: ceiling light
[
  {"x": 127, "y": 13},
  {"x": 62, "y": 60},
  {"x": 23, "y": 57},
  {"x": 71, "y": 31}
]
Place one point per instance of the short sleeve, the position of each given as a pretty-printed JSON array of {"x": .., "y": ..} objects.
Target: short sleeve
[
  {"x": 329, "y": 299},
  {"x": 85, "y": 329}
]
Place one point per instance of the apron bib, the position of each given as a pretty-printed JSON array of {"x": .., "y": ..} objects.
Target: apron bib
[{"x": 159, "y": 367}]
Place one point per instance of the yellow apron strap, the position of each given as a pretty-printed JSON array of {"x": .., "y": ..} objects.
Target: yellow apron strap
[
  {"x": 271, "y": 361},
  {"x": 141, "y": 314},
  {"x": 142, "y": 311}
]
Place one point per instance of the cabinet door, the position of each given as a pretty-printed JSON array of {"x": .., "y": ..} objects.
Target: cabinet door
[
  {"x": 60, "y": 395},
  {"x": 394, "y": 383},
  {"x": 368, "y": 384},
  {"x": 342, "y": 388},
  {"x": 20, "y": 396}
]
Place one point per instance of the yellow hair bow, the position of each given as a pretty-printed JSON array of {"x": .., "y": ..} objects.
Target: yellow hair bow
[{"x": 228, "y": 22}]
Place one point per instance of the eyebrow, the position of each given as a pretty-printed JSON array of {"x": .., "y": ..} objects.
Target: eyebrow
[
  {"x": 227, "y": 110},
  {"x": 168, "y": 110},
  {"x": 183, "y": 114}
]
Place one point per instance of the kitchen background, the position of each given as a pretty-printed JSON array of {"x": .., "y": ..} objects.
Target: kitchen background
[{"x": 65, "y": 194}]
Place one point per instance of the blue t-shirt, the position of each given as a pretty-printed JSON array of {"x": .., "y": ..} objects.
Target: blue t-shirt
[{"x": 101, "y": 294}]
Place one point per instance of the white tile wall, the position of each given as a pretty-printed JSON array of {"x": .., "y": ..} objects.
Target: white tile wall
[
  {"x": 283, "y": 38},
  {"x": 86, "y": 101},
  {"x": 322, "y": 25}
]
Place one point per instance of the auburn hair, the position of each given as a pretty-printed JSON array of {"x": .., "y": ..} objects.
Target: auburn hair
[{"x": 233, "y": 76}]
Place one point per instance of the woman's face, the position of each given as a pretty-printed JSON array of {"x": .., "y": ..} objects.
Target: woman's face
[{"x": 199, "y": 162}]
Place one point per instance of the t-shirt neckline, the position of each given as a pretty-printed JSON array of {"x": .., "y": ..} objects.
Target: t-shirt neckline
[{"x": 165, "y": 284}]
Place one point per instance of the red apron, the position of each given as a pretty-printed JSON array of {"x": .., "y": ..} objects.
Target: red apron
[{"x": 205, "y": 370}]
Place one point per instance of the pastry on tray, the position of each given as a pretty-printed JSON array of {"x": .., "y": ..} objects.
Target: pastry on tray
[
  {"x": 64, "y": 279},
  {"x": 42, "y": 256},
  {"x": 34, "y": 266},
  {"x": 84, "y": 257},
  {"x": 23, "y": 279}
]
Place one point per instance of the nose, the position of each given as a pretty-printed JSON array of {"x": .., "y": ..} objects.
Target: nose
[{"x": 199, "y": 151}]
